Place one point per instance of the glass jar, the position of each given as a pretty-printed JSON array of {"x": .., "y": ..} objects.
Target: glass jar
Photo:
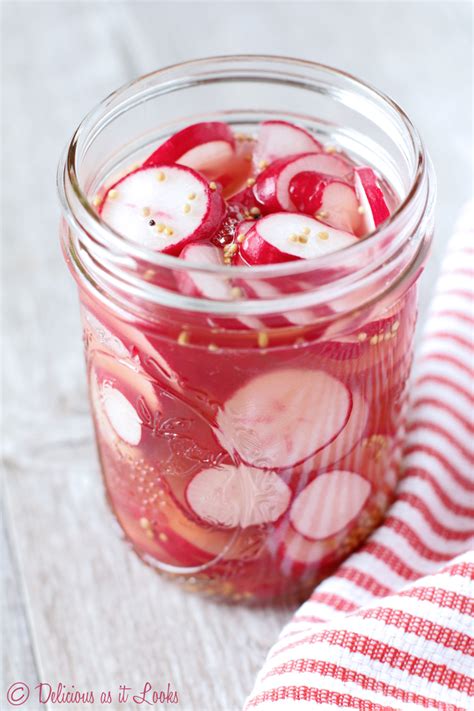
[{"x": 248, "y": 444}]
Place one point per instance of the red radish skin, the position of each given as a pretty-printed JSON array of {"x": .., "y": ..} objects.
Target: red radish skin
[
  {"x": 229, "y": 496},
  {"x": 272, "y": 188},
  {"x": 208, "y": 286},
  {"x": 169, "y": 538},
  {"x": 371, "y": 198},
  {"x": 243, "y": 227},
  {"x": 187, "y": 145},
  {"x": 285, "y": 236},
  {"x": 281, "y": 418},
  {"x": 298, "y": 549},
  {"x": 277, "y": 139},
  {"x": 348, "y": 438},
  {"x": 163, "y": 208},
  {"x": 332, "y": 201},
  {"x": 329, "y": 504}
]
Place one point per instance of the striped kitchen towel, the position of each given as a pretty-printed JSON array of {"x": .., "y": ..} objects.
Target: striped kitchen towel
[{"x": 393, "y": 627}]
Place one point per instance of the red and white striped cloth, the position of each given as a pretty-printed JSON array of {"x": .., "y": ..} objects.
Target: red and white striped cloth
[{"x": 393, "y": 627}]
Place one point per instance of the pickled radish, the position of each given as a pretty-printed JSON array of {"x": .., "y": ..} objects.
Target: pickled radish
[
  {"x": 371, "y": 198},
  {"x": 282, "y": 417},
  {"x": 196, "y": 283},
  {"x": 348, "y": 438},
  {"x": 196, "y": 146},
  {"x": 284, "y": 236},
  {"x": 121, "y": 396},
  {"x": 298, "y": 549},
  {"x": 163, "y": 208},
  {"x": 122, "y": 415},
  {"x": 328, "y": 504},
  {"x": 248, "y": 452},
  {"x": 278, "y": 139},
  {"x": 330, "y": 200},
  {"x": 272, "y": 188},
  {"x": 233, "y": 496}
]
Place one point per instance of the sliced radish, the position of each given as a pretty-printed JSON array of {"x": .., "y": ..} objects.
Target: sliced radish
[
  {"x": 163, "y": 207},
  {"x": 273, "y": 185},
  {"x": 201, "y": 284},
  {"x": 284, "y": 236},
  {"x": 371, "y": 198},
  {"x": 232, "y": 496},
  {"x": 348, "y": 438},
  {"x": 119, "y": 396},
  {"x": 277, "y": 139},
  {"x": 122, "y": 415},
  {"x": 211, "y": 286},
  {"x": 264, "y": 290},
  {"x": 299, "y": 549},
  {"x": 332, "y": 201},
  {"x": 328, "y": 504},
  {"x": 195, "y": 146},
  {"x": 283, "y": 417},
  {"x": 243, "y": 227}
]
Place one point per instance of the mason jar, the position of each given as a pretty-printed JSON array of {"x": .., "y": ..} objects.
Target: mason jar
[{"x": 248, "y": 443}]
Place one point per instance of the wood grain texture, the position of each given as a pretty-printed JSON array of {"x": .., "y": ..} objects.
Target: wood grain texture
[{"x": 79, "y": 607}]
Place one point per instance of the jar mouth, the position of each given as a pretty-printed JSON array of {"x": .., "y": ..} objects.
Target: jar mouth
[{"x": 81, "y": 215}]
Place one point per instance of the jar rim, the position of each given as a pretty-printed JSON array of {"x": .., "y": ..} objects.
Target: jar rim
[{"x": 67, "y": 170}]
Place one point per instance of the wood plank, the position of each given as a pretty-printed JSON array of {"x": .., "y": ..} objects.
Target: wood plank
[
  {"x": 97, "y": 616},
  {"x": 17, "y": 654}
]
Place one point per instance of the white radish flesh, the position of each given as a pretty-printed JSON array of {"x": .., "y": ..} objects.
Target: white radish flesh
[
  {"x": 281, "y": 418},
  {"x": 371, "y": 198},
  {"x": 163, "y": 208},
  {"x": 122, "y": 415},
  {"x": 195, "y": 144},
  {"x": 272, "y": 188},
  {"x": 195, "y": 283},
  {"x": 284, "y": 236},
  {"x": 277, "y": 139},
  {"x": 348, "y": 437},
  {"x": 233, "y": 496},
  {"x": 329, "y": 503}
]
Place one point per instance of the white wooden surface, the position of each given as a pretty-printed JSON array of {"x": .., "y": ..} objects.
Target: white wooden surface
[{"x": 78, "y": 607}]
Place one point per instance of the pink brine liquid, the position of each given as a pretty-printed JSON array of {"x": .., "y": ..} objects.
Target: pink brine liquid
[{"x": 247, "y": 457}]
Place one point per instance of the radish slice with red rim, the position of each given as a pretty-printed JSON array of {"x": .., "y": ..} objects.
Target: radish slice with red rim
[
  {"x": 208, "y": 286},
  {"x": 272, "y": 188},
  {"x": 231, "y": 496},
  {"x": 195, "y": 146},
  {"x": 299, "y": 549},
  {"x": 163, "y": 208},
  {"x": 371, "y": 198},
  {"x": 277, "y": 139},
  {"x": 281, "y": 418},
  {"x": 328, "y": 199},
  {"x": 285, "y": 236},
  {"x": 121, "y": 414},
  {"x": 122, "y": 400},
  {"x": 348, "y": 438},
  {"x": 328, "y": 504}
]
